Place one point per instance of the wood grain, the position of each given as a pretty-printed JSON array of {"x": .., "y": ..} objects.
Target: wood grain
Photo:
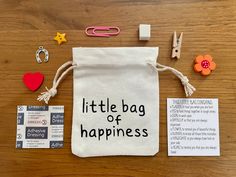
[{"x": 209, "y": 27}]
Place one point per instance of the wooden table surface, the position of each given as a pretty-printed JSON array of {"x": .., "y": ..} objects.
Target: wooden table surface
[{"x": 209, "y": 28}]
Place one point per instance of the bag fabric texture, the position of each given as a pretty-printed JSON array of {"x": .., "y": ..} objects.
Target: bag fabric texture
[{"x": 125, "y": 90}]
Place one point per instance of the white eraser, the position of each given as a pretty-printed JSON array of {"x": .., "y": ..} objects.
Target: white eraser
[{"x": 144, "y": 32}]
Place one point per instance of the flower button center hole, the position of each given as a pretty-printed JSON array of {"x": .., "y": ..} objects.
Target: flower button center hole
[{"x": 205, "y": 64}]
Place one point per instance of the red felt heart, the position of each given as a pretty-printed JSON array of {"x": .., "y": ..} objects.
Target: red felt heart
[{"x": 33, "y": 80}]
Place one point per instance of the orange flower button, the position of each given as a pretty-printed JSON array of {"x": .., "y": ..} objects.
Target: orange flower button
[{"x": 204, "y": 64}]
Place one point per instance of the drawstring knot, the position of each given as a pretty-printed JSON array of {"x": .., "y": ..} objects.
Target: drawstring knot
[
  {"x": 47, "y": 95},
  {"x": 188, "y": 88},
  {"x": 52, "y": 92},
  {"x": 184, "y": 80},
  {"x": 61, "y": 72}
]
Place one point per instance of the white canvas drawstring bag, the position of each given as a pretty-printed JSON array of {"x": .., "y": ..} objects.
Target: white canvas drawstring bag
[{"x": 116, "y": 100}]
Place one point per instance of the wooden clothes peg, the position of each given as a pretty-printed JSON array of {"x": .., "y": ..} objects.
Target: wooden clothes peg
[{"x": 176, "y": 50}]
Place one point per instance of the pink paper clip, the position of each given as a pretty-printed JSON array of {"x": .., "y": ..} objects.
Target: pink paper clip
[{"x": 94, "y": 31}]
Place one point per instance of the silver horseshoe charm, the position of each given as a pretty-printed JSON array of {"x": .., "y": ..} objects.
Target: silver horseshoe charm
[{"x": 41, "y": 49}]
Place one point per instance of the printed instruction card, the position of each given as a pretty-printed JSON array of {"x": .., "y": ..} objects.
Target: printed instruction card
[
  {"x": 193, "y": 127},
  {"x": 40, "y": 126}
]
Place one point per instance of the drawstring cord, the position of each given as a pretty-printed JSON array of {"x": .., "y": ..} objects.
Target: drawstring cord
[
  {"x": 188, "y": 88},
  {"x": 60, "y": 74}
]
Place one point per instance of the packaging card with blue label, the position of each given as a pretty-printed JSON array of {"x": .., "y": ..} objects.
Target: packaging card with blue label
[{"x": 40, "y": 126}]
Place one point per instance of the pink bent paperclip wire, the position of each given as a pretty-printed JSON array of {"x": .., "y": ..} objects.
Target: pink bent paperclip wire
[{"x": 93, "y": 31}]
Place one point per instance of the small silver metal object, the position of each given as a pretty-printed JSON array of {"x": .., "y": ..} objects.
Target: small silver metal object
[{"x": 46, "y": 54}]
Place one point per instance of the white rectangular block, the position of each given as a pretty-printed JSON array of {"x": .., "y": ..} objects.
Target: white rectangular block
[{"x": 144, "y": 32}]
